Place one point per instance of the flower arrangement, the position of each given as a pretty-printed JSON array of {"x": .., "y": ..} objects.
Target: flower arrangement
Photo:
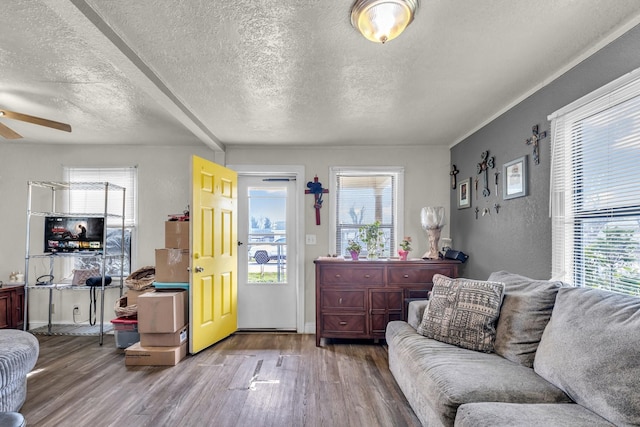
[
  {"x": 406, "y": 244},
  {"x": 354, "y": 246}
]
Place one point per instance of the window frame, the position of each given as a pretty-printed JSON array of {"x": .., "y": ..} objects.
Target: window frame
[
  {"x": 570, "y": 211},
  {"x": 397, "y": 228}
]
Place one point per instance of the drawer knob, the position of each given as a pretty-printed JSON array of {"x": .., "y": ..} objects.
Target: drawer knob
[
  {"x": 340, "y": 301},
  {"x": 337, "y": 275},
  {"x": 343, "y": 323},
  {"x": 366, "y": 276},
  {"x": 406, "y": 276}
]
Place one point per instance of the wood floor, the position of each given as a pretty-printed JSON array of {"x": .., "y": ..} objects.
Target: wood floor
[{"x": 246, "y": 380}]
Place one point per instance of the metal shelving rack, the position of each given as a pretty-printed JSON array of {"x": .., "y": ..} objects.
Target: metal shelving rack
[{"x": 111, "y": 218}]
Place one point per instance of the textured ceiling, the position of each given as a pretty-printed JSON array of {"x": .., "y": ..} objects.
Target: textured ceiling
[{"x": 285, "y": 72}]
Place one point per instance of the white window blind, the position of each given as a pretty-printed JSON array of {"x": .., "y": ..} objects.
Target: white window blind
[
  {"x": 363, "y": 196},
  {"x": 94, "y": 201},
  {"x": 595, "y": 188}
]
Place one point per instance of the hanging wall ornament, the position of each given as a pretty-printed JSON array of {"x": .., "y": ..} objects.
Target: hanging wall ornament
[
  {"x": 453, "y": 173},
  {"x": 315, "y": 188},
  {"x": 533, "y": 140},
  {"x": 484, "y": 166}
]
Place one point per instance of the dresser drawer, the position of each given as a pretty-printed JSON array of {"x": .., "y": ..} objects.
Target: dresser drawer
[
  {"x": 352, "y": 275},
  {"x": 344, "y": 323},
  {"x": 332, "y": 300},
  {"x": 416, "y": 275}
]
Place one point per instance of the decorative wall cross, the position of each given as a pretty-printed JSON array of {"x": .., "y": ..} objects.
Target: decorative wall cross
[
  {"x": 453, "y": 173},
  {"x": 315, "y": 188},
  {"x": 484, "y": 166},
  {"x": 534, "y": 140}
]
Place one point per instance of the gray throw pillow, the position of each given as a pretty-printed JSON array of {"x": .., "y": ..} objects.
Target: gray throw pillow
[
  {"x": 463, "y": 312},
  {"x": 525, "y": 312},
  {"x": 591, "y": 350}
]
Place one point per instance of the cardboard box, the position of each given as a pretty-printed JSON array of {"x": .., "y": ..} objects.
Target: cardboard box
[
  {"x": 176, "y": 234},
  {"x": 137, "y": 355},
  {"x": 165, "y": 340},
  {"x": 162, "y": 312},
  {"x": 172, "y": 265},
  {"x": 132, "y": 295}
]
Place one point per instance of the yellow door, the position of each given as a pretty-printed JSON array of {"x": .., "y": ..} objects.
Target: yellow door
[{"x": 214, "y": 236}]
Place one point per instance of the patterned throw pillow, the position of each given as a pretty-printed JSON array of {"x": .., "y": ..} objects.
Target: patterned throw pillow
[{"x": 463, "y": 312}]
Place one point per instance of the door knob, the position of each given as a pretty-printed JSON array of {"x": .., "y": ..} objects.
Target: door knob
[{"x": 199, "y": 269}]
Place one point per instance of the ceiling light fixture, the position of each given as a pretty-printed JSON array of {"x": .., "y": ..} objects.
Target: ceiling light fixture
[{"x": 382, "y": 20}]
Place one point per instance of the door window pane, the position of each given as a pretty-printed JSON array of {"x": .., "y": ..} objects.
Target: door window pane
[{"x": 267, "y": 234}]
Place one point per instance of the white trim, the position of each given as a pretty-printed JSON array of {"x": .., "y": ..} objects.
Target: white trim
[
  {"x": 605, "y": 90},
  {"x": 310, "y": 328},
  {"x": 299, "y": 172}
]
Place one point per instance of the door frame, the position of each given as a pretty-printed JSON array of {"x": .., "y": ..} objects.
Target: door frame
[{"x": 299, "y": 173}]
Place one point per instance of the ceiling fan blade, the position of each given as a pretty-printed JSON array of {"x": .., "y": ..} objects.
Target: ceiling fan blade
[
  {"x": 35, "y": 120},
  {"x": 8, "y": 133}
]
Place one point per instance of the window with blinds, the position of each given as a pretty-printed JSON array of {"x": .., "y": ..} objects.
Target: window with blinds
[
  {"x": 595, "y": 188},
  {"x": 362, "y": 197},
  {"x": 91, "y": 201}
]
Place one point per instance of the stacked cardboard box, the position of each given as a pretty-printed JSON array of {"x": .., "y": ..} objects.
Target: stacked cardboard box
[
  {"x": 162, "y": 324},
  {"x": 172, "y": 262}
]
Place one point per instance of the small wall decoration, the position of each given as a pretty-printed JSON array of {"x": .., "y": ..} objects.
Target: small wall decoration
[
  {"x": 464, "y": 194},
  {"x": 453, "y": 174},
  {"x": 534, "y": 141},
  {"x": 315, "y": 188},
  {"x": 514, "y": 182},
  {"x": 484, "y": 166}
]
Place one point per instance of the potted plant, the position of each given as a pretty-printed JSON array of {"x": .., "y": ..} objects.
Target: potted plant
[
  {"x": 354, "y": 249},
  {"x": 405, "y": 248},
  {"x": 372, "y": 236}
]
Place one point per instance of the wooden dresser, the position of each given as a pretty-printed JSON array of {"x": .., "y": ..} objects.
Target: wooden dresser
[
  {"x": 356, "y": 299},
  {"x": 11, "y": 304}
]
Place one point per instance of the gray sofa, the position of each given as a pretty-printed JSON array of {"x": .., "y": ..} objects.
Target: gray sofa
[
  {"x": 562, "y": 356},
  {"x": 18, "y": 355}
]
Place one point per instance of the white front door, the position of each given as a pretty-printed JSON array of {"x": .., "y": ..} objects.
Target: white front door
[{"x": 267, "y": 277}]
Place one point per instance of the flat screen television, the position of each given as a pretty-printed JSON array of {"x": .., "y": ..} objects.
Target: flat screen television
[{"x": 65, "y": 234}]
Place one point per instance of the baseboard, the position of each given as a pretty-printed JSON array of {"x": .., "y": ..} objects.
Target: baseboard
[{"x": 310, "y": 328}]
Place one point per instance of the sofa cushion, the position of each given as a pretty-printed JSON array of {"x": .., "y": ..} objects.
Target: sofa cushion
[
  {"x": 463, "y": 312},
  {"x": 416, "y": 312},
  {"x": 590, "y": 349},
  {"x": 526, "y": 309},
  {"x": 495, "y": 414},
  {"x": 436, "y": 377}
]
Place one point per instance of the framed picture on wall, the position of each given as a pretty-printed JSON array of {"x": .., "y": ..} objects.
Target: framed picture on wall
[
  {"x": 464, "y": 194},
  {"x": 514, "y": 183}
]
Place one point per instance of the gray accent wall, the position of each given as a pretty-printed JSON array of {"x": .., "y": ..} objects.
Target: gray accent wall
[{"x": 518, "y": 237}]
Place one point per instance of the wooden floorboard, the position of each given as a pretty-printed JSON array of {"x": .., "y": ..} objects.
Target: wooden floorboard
[{"x": 257, "y": 379}]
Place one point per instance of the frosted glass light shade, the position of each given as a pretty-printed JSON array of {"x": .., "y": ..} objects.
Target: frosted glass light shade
[
  {"x": 382, "y": 20},
  {"x": 431, "y": 218}
]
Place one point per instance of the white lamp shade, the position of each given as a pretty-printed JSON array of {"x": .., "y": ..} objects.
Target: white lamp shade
[{"x": 432, "y": 218}]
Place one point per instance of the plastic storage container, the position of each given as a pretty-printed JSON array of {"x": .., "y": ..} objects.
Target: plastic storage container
[{"x": 126, "y": 331}]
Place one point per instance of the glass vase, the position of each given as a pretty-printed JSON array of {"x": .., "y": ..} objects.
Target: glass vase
[{"x": 372, "y": 251}]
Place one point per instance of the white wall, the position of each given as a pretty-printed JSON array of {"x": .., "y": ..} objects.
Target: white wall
[
  {"x": 164, "y": 189},
  {"x": 426, "y": 184},
  {"x": 164, "y": 182}
]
